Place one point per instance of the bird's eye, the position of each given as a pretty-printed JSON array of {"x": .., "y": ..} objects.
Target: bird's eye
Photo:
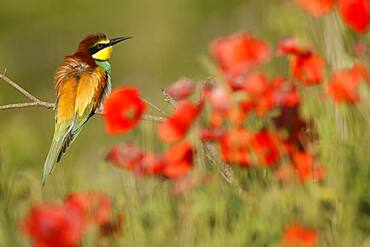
[{"x": 99, "y": 46}]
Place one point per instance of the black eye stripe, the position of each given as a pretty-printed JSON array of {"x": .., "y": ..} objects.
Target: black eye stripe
[{"x": 97, "y": 48}]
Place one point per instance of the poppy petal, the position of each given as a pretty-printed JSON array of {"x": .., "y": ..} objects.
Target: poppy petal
[
  {"x": 53, "y": 225},
  {"x": 177, "y": 125},
  {"x": 291, "y": 46},
  {"x": 308, "y": 69},
  {"x": 238, "y": 53},
  {"x": 343, "y": 86},
  {"x": 298, "y": 235},
  {"x": 181, "y": 89},
  {"x": 125, "y": 155},
  {"x": 355, "y": 13},
  {"x": 179, "y": 160},
  {"x": 123, "y": 110}
]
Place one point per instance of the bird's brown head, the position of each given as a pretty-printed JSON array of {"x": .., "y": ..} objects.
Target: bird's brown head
[{"x": 99, "y": 46}]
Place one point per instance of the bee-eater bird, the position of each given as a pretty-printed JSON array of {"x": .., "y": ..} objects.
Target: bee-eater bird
[{"x": 82, "y": 82}]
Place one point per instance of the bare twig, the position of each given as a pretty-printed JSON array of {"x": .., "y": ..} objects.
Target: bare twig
[
  {"x": 28, "y": 104},
  {"x": 144, "y": 117},
  {"x": 153, "y": 118},
  {"x": 168, "y": 98},
  {"x": 154, "y": 106},
  {"x": 224, "y": 169},
  {"x": 37, "y": 102}
]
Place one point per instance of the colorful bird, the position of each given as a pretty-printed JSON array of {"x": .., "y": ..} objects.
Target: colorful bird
[{"x": 82, "y": 82}]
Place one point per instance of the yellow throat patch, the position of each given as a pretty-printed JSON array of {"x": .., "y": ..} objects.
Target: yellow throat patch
[{"x": 103, "y": 54}]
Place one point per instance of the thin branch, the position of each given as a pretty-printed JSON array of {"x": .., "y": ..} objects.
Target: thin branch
[
  {"x": 168, "y": 98},
  {"x": 28, "y": 104},
  {"x": 48, "y": 105},
  {"x": 153, "y": 118},
  {"x": 154, "y": 106}
]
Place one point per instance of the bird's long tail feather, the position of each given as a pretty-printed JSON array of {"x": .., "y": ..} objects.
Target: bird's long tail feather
[
  {"x": 61, "y": 140},
  {"x": 51, "y": 159}
]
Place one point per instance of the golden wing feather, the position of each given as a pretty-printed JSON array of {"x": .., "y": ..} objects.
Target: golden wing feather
[{"x": 89, "y": 91}]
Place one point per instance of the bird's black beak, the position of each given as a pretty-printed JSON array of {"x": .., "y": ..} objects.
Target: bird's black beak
[{"x": 119, "y": 39}]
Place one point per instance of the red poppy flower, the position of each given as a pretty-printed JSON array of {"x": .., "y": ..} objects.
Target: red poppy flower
[
  {"x": 235, "y": 146},
  {"x": 265, "y": 145},
  {"x": 308, "y": 69},
  {"x": 278, "y": 93},
  {"x": 125, "y": 155},
  {"x": 291, "y": 46},
  {"x": 284, "y": 93},
  {"x": 299, "y": 235},
  {"x": 96, "y": 207},
  {"x": 176, "y": 126},
  {"x": 255, "y": 84},
  {"x": 152, "y": 164},
  {"x": 54, "y": 226},
  {"x": 238, "y": 53},
  {"x": 355, "y": 13},
  {"x": 305, "y": 168},
  {"x": 123, "y": 110},
  {"x": 178, "y": 160},
  {"x": 343, "y": 86},
  {"x": 316, "y": 7},
  {"x": 306, "y": 66},
  {"x": 181, "y": 89}
]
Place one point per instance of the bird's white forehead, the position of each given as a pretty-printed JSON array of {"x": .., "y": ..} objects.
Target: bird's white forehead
[{"x": 103, "y": 41}]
